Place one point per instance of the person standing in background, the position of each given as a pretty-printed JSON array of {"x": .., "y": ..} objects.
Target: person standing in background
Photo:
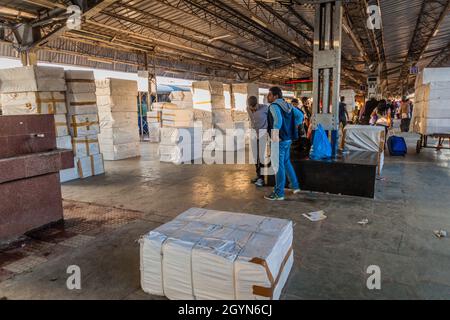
[
  {"x": 258, "y": 115},
  {"x": 284, "y": 120},
  {"x": 405, "y": 114}
]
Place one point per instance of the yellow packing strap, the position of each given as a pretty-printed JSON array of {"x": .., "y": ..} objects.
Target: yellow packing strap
[
  {"x": 268, "y": 292},
  {"x": 86, "y": 124},
  {"x": 85, "y": 141},
  {"x": 80, "y": 168},
  {"x": 203, "y": 102},
  {"x": 51, "y": 103},
  {"x": 60, "y": 124},
  {"x": 80, "y": 81},
  {"x": 92, "y": 165},
  {"x": 87, "y": 103}
]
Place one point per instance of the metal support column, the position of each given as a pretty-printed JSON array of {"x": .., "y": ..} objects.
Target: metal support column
[{"x": 327, "y": 68}]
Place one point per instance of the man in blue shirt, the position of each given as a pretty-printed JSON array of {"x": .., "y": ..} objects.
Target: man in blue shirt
[{"x": 284, "y": 121}]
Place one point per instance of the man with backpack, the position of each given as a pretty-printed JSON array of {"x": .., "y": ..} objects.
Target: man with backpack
[{"x": 284, "y": 121}]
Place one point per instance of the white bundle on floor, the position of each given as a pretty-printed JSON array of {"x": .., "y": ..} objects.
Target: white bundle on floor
[
  {"x": 82, "y": 103},
  {"x": 117, "y": 105},
  {"x": 80, "y": 81},
  {"x": 175, "y": 117},
  {"x": 18, "y": 103},
  {"x": 117, "y": 88},
  {"x": 85, "y": 146},
  {"x": 241, "y": 93},
  {"x": 349, "y": 96},
  {"x": 119, "y": 135},
  {"x": 32, "y": 79},
  {"x": 431, "y": 113},
  {"x": 366, "y": 138},
  {"x": 113, "y": 152},
  {"x": 180, "y": 145},
  {"x": 208, "y": 95},
  {"x": 183, "y": 99},
  {"x": 84, "y": 125},
  {"x": 215, "y": 255},
  {"x": 64, "y": 142},
  {"x": 90, "y": 166},
  {"x": 228, "y": 97}
]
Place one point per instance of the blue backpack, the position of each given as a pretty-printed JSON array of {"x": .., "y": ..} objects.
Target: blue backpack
[{"x": 397, "y": 146}]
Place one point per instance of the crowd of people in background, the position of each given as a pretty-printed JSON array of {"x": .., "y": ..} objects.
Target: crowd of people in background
[{"x": 293, "y": 123}]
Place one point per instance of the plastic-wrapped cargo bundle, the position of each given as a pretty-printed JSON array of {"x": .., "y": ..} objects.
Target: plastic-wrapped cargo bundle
[
  {"x": 206, "y": 254},
  {"x": 117, "y": 103},
  {"x": 431, "y": 113},
  {"x": 241, "y": 93},
  {"x": 183, "y": 99},
  {"x": 173, "y": 116},
  {"x": 366, "y": 138},
  {"x": 180, "y": 145},
  {"x": 208, "y": 95},
  {"x": 228, "y": 96},
  {"x": 32, "y": 79}
]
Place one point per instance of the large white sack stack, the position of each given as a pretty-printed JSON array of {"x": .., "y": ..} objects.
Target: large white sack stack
[
  {"x": 32, "y": 79},
  {"x": 208, "y": 95},
  {"x": 183, "y": 99},
  {"x": 366, "y": 138},
  {"x": 241, "y": 93},
  {"x": 176, "y": 117},
  {"x": 180, "y": 145},
  {"x": 154, "y": 120},
  {"x": 36, "y": 90},
  {"x": 227, "y": 93},
  {"x": 117, "y": 103},
  {"x": 431, "y": 113},
  {"x": 84, "y": 126},
  {"x": 216, "y": 255},
  {"x": 350, "y": 101}
]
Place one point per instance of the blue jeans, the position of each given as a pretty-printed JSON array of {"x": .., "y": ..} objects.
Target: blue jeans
[{"x": 285, "y": 168}]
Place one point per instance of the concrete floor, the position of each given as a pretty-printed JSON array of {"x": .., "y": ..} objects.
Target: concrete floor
[{"x": 331, "y": 257}]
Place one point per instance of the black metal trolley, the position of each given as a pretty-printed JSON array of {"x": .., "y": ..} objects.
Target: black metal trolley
[{"x": 423, "y": 142}]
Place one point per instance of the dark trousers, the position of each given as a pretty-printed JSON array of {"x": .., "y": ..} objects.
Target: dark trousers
[
  {"x": 258, "y": 160},
  {"x": 404, "y": 126}
]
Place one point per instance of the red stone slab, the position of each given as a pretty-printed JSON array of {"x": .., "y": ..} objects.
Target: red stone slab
[
  {"x": 26, "y": 134},
  {"x": 35, "y": 164},
  {"x": 28, "y": 204}
]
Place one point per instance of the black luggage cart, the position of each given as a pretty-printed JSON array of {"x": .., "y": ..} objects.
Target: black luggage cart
[{"x": 423, "y": 142}]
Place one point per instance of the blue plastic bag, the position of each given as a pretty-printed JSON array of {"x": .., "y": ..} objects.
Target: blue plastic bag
[{"x": 321, "y": 148}]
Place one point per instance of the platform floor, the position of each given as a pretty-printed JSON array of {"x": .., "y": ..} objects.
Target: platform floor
[{"x": 331, "y": 257}]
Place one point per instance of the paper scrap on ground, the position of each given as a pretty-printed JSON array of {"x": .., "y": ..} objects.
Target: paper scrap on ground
[
  {"x": 315, "y": 216},
  {"x": 364, "y": 222},
  {"x": 441, "y": 234}
]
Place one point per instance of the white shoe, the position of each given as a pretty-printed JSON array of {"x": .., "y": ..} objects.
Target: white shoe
[{"x": 296, "y": 191}]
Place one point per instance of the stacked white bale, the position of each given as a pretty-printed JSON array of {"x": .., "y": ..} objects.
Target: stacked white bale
[
  {"x": 154, "y": 120},
  {"x": 350, "y": 101},
  {"x": 227, "y": 93},
  {"x": 117, "y": 107},
  {"x": 431, "y": 113},
  {"x": 36, "y": 90},
  {"x": 180, "y": 145},
  {"x": 183, "y": 99},
  {"x": 241, "y": 93},
  {"x": 366, "y": 138},
  {"x": 216, "y": 255},
  {"x": 175, "y": 117},
  {"x": 208, "y": 98},
  {"x": 84, "y": 126}
]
